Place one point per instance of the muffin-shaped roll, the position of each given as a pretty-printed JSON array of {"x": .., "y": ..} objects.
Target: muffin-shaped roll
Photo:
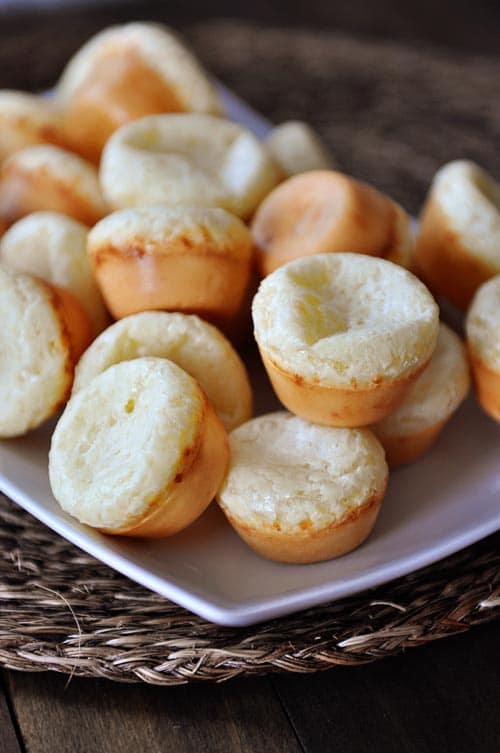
[
  {"x": 26, "y": 119},
  {"x": 48, "y": 178},
  {"x": 414, "y": 427},
  {"x": 138, "y": 452},
  {"x": 458, "y": 243},
  {"x": 483, "y": 343},
  {"x": 188, "y": 341},
  {"x": 324, "y": 211},
  {"x": 296, "y": 148},
  {"x": 297, "y": 492},
  {"x": 344, "y": 336},
  {"x": 191, "y": 160},
  {"x": 43, "y": 333},
  {"x": 54, "y": 247},
  {"x": 124, "y": 73},
  {"x": 193, "y": 260}
]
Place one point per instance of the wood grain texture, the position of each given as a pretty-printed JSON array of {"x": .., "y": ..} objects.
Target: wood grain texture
[
  {"x": 8, "y": 738},
  {"x": 443, "y": 697},
  {"x": 97, "y": 716}
]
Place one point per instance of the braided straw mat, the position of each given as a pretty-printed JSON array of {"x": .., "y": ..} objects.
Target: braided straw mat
[{"x": 392, "y": 115}]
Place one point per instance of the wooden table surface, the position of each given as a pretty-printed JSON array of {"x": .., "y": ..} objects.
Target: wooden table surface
[{"x": 442, "y": 697}]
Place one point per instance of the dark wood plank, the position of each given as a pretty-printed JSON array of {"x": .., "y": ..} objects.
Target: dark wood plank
[
  {"x": 243, "y": 716},
  {"x": 8, "y": 738},
  {"x": 441, "y": 697}
]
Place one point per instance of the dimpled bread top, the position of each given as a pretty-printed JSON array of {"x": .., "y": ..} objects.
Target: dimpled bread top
[
  {"x": 345, "y": 320},
  {"x": 122, "y": 439},
  {"x": 296, "y": 477},
  {"x": 160, "y": 49},
  {"x": 34, "y": 369},
  {"x": 189, "y": 159},
  {"x": 165, "y": 230},
  {"x": 436, "y": 393},
  {"x": 470, "y": 199},
  {"x": 194, "y": 345},
  {"x": 483, "y": 323},
  {"x": 54, "y": 247}
]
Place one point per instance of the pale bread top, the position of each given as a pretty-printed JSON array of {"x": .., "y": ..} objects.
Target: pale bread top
[
  {"x": 345, "y": 320},
  {"x": 188, "y": 159},
  {"x": 292, "y": 476},
  {"x": 193, "y": 344},
  {"x": 436, "y": 394},
  {"x": 160, "y": 49},
  {"x": 122, "y": 439},
  {"x": 483, "y": 323},
  {"x": 161, "y": 230},
  {"x": 53, "y": 246}
]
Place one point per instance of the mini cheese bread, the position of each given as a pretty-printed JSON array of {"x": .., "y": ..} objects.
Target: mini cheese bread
[
  {"x": 437, "y": 393},
  {"x": 188, "y": 160},
  {"x": 26, "y": 119},
  {"x": 458, "y": 246},
  {"x": 324, "y": 211},
  {"x": 296, "y": 148},
  {"x": 54, "y": 247},
  {"x": 43, "y": 333},
  {"x": 343, "y": 336},
  {"x": 191, "y": 343},
  {"x": 483, "y": 343},
  {"x": 139, "y": 451},
  {"x": 47, "y": 177},
  {"x": 297, "y": 492},
  {"x": 124, "y": 73},
  {"x": 194, "y": 260}
]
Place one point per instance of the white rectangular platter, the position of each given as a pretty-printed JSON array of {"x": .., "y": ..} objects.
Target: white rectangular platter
[{"x": 444, "y": 502}]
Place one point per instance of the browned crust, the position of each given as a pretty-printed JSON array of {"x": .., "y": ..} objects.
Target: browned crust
[
  {"x": 339, "y": 406},
  {"x": 314, "y": 546},
  {"x": 209, "y": 285},
  {"x": 75, "y": 334},
  {"x": 24, "y": 191},
  {"x": 403, "y": 449},
  {"x": 443, "y": 263},
  {"x": 487, "y": 384},
  {"x": 198, "y": 478}
]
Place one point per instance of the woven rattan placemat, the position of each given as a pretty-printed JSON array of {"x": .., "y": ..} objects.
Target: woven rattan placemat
[{"x": 392, "y": 115}]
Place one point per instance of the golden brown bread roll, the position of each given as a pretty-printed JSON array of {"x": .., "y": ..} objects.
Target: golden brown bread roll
[
  {"x": 195, "y": 260},
  {"x": 437, "y": 393},
  {"x": 298, "y": 492},
  {"x": 49, "y": 178},
  {"x": 187, "y": 160},
  {"x": 44, "y": 331},
  {"x": 459, "y": 235},
  {"x": 343, "y": 336},
  {"x": 53, "y": 246},
  {"x": 483, "y": 342},
  {"x": 124, "y": 73},
  {"x": 194, "y": 345},
  {"x": 324, "y": 211},
  {"x": 139, "y": 451}
]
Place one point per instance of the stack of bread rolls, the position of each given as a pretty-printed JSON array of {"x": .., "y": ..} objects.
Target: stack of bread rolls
[{"x": 129, "y": 195}]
